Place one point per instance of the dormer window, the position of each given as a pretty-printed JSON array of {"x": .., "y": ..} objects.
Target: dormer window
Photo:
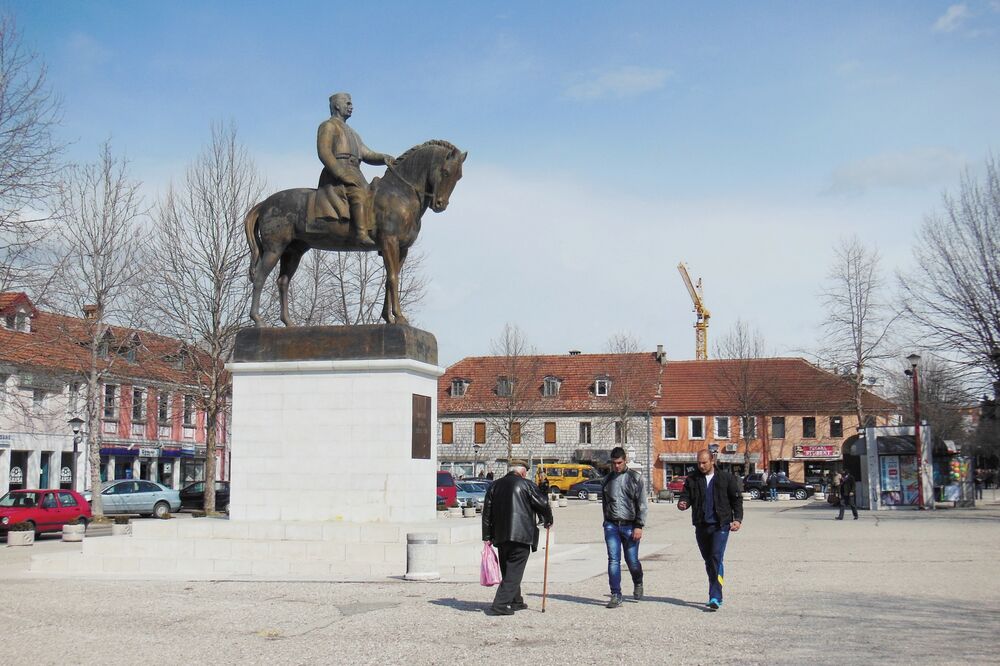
[
  {"x": 550, "y": 387},
  {"x": 458, "y": 387},
  {"x": 602, "y": 387},
  {"x": 17, "y": 321},
  {"x": 505, "y": 387}
]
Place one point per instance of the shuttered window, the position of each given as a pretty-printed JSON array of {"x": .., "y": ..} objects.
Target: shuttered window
[
  {"x": 479, "y": 435},
  {"x": 550, "y": 432},
  {"x": 448, "y": 433}
]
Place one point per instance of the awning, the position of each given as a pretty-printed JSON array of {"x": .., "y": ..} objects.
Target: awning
[{"x": 734, "y": 458}]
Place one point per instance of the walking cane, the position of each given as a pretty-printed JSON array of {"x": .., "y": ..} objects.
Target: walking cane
[{"x": 545, "y": 570}]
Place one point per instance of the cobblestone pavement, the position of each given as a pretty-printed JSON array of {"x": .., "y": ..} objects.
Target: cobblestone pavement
[{"x": 894, "y": 587}]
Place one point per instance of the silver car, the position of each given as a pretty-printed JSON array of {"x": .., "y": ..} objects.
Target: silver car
[{"x": 140, "y": 497}]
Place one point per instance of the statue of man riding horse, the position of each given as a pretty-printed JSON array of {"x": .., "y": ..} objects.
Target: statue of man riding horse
[{"x": 346, "y": 214}]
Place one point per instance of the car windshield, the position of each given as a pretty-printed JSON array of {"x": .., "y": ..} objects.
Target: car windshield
[{"x": 19, "y": 500}]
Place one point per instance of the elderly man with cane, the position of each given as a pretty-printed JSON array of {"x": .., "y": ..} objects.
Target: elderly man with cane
[{"x": 510, "y": 521}]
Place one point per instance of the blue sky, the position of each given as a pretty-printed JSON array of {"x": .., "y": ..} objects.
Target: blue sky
[{"x": 607, "y": 141}]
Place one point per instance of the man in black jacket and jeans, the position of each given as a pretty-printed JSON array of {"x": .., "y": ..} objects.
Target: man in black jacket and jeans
[
  {"x": 716, "y": 506},
  {"x": 625, "y": 509},
  {"x": 509, "y": 521}
]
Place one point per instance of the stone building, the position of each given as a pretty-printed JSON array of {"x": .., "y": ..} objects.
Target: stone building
[{"x": 151, "y": 420}]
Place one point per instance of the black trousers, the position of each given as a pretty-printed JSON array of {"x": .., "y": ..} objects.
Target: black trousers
[
  {"x": 847, "y": 502},
  {"x": 513, "y": 559}
]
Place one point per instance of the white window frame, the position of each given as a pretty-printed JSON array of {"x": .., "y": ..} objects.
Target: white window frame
[
  {"x": 505, "y": 387},
  {"x": 586, "y": 427},
  {"x": 602, "y": 387},
  {"x": 458, "y": 387},
  {"x": 691, "y": 421},
  {"x": 141, "y": 404},
  {"x": 193, "y": 410},
  {"x": 663, "y": 427},
  {"x": 550, "y": 387},
  {"x": 721, "y": 419},
  {"x": 115, "y": 401},
  {"x": 756, "y": 427}
]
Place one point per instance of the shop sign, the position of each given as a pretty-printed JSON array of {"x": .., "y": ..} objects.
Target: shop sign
[
  {"x": 187, "y": 449},
  {"x": 6, "y": 441},
  {"x": 816, "y": 451},
  {"x": 168, "y": 468},
  {"x": 147, "y": 452},
  {"x": 66, "y": 475},
  {"x": 890, "y": 473},
  {"x": 16, "y": 475}
]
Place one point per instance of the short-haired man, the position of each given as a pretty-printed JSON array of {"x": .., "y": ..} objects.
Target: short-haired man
[
  {"x": 625, "y": 509},
  {"x": 716, "y": 506},
  {"x": 509, "y": 521}
]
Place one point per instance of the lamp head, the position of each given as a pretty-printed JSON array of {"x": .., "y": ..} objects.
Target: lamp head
[
  {"x": 76, "y": 423},
  {"x": 914, "y": 359}
]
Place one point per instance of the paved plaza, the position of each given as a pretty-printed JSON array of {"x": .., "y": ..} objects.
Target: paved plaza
[{"x": 892, "y": 587}]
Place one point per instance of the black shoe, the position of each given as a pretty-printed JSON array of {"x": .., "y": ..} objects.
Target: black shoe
[
  {"x": 839, "y": 518},
  {"x": 615, "y": 602},
  {"x": 855, "y": 517},
  {"x": 637, "y": 592},
  {"x": 502, "y": 610},
  {"x": 518, "y": 605}
]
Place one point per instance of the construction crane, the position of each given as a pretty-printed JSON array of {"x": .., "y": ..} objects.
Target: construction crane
[{"x": 700, "y": 326}]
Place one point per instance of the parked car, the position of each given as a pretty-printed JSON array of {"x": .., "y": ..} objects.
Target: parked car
[
  {"x": 139, "y": 497},
  {"x": 470, "y": 494},
  {"x": 45, "y": 510},
  {"x": 589, "y": 486},
  {"x": 193, "y": 495},
  {"x": 758, "y": 488},
  {"x": 446, "y": 488},
  {"x": 676, "y": 484}
]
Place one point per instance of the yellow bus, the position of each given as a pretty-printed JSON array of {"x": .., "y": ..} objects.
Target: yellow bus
[{"x": 564, "y": 475}]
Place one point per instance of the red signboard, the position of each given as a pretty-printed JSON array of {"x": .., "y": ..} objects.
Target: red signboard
[{"x": 816, "y": 451}]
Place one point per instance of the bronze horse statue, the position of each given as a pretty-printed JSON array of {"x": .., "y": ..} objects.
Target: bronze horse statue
[{"x": 281, "y": 228}]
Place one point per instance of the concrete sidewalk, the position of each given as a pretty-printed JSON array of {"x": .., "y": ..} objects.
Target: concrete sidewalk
[{"x": 896, "y": 587}]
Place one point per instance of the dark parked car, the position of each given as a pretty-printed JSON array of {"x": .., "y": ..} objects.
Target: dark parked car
[
  {"x": 583, "y": 487},
  {"x": 193, "y": 495},
  {"x": 758, "y": 488}
]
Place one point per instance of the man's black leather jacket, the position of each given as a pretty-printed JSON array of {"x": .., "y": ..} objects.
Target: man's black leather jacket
[{"x": 510, "y": 510}]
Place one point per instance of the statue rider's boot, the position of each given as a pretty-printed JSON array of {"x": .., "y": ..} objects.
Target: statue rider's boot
[{"x": 360, "y": 215}]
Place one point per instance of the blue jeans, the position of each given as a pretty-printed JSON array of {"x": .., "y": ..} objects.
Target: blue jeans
[
  {"x": 712, "y": 541},
  {"x": 618, "y": 537},
  {"x": 772, "y": 494}
]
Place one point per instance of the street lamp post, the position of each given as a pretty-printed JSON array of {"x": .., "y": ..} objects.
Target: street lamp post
[
  {"x": 475, "y": 459},
  {"x": 76, "y": 423},
  {"x": 914, "y": 360}
]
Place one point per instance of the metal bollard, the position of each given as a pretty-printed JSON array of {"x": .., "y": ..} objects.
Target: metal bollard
[{"x": 421, "y": 556}]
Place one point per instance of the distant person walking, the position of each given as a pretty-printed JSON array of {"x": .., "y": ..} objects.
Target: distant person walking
[
  {"x": 510, "y": 511},
  {"x": 625, "y": 509},
  {"x": 847, "y": 492},
  {"x": 716, "y": 510},
  {"x": 772, "y": 486}
]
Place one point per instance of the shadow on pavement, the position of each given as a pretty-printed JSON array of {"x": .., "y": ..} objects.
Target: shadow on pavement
[{"x": 462, "y": 605}]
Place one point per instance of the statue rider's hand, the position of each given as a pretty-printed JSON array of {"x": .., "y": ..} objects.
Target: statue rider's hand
[{"x": 389, "y": 160}]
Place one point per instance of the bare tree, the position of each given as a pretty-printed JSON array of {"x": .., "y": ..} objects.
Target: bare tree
[
  {"x": 348, "y": 288},
  {"x": 858, "y": 318},
  {"x": 741, "y": 380},
  {"x": 953, "y": 293},
  {"x": 101, "y": 241},
  {"x": 516, "y": 398},
  {"x": 29, "y": 159},
  {"x": 944, "y": 399},
  {"x": 202, "y": 296},
  {"x": 634, "y": 379}
]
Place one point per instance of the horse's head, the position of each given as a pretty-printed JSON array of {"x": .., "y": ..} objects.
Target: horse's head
[{"x": 443, "y": 177}]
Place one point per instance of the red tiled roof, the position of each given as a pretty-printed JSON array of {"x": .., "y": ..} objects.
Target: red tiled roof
[
  {"x": 576, "y": 373},
  {"x": 9, "y": 299},
  {"x": 59, "y": 344},
  {"x": 787, "y": 384}
]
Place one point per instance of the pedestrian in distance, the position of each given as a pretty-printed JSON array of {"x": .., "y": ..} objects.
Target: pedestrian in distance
[
  {"x": 625, "y": 509},
  {"x": 543, "y": 484},
  {"x": 847, "y": 495},
  {"x": 772, "y": 486},
  {"x": 511, "y": 511},
  {"x": 716, "y": 505}
]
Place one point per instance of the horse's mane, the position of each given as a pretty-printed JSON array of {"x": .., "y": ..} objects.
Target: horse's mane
[{"x": 432, "y": 142}]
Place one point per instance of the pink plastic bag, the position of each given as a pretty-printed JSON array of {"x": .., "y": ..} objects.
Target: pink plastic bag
[{"x": 489, "y": 572}]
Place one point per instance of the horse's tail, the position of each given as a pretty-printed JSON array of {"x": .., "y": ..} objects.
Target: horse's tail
[{"x": 253, "y": 238}]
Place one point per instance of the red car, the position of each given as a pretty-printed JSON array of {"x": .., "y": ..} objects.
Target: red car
[
  {"x": 676, "y": 484},
  {"x": 46, "y": 510},
  {"x": 446, "y": 489}
]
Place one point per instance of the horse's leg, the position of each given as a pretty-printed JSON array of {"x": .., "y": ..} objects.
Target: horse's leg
[
  {"x": 397, "y": 308},
  {"x": 390, "y": 260},
  {"x": 264, "y": 267},
  {"x": 289, "y": 264}
]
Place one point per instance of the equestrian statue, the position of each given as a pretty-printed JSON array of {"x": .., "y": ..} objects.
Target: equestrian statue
[{"x": 346, "y": 214}]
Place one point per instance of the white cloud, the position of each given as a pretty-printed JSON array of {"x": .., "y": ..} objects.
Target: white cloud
[
  {"x": 919, "y": 168},
  {"x": 628, "y": 81},
  {"x": 953, "y": 18}
]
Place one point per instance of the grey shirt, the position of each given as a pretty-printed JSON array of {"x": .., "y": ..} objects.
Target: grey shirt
[{"x": 625, "y": 498}]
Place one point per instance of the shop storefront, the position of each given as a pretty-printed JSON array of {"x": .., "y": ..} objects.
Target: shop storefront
[
  {"x": 819, "y": 463},
  {"x": 160, "y": 464},
  {"x": 884, "y": 461}
]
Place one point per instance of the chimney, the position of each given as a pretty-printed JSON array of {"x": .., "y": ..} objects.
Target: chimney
[
  {"x": 661, "y": 356},
  {"x": 574, "y": 352},
  {"x": 90, "y": 312}
]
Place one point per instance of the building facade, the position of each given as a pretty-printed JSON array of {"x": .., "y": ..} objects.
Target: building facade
[
  {"x": 565, "y": 408},
  {"x": 776, "y": 414},
  {"x": 150, "y": 414}
]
